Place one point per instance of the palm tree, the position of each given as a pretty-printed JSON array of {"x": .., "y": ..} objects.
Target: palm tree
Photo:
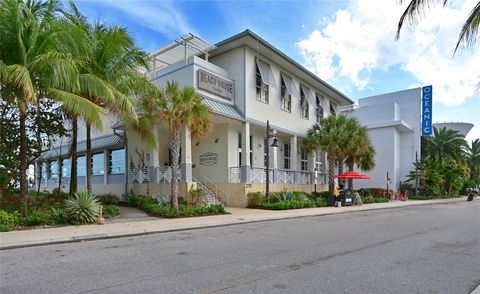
[
  {"x": 178, "y": 108},
  {"x": 444, "y": 144},
  {"x": 473, "y": 159},
  {"x": 31, "y": 60},
  {"x": 416, "y": 9},
  {"x": 360, "y": 150},
  {"x": 330, "y": 136},
  {"x": 109, "y": 71}
]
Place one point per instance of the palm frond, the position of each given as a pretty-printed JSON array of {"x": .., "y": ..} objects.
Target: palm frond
[
  {"x": 18, "y": 77},
  {"x": 77, "y": 105},
  {"x": 468, "y": 34},
  {"x": 414, "y": 12}
]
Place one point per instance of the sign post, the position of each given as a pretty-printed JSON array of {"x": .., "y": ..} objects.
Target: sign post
[{"x": 427, "y": 110}]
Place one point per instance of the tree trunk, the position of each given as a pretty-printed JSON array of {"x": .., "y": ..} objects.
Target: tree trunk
[
  {"x": 351, "y": 164},
  {"x": 23, "y": 156},
  {"x": 331, "y": 172},
  {"x": 341, "y": 161},
  {"x": 88, "y": 159},
  {"x": 73, "y": 154},
  {"x": 175, "y": 137},
  {"x": 39, "y": 142}
]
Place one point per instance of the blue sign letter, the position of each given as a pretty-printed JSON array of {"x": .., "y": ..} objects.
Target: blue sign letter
[{"x": 427, "y": 110}]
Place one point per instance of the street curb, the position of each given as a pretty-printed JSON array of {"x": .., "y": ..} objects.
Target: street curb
[{"x": 106, "y": 236}]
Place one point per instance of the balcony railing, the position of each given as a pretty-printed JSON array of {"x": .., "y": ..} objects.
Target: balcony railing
[
  {"x": 152, "y": 174},
  {"x": 280, "y": 176}
]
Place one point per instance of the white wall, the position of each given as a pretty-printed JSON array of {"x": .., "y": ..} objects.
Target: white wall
[{"x": 394, "y": 127}]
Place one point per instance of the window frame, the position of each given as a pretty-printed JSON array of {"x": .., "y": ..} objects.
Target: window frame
[
  {"x": 103, "y": 163},
  {"x": 82, "y": 166},
  {"x": 261, "y": 87},
  {"x": 121, "y": 166},
  {"x": 287, "y": 155},
  {"x": 66, "y": 174},
  {"x": 303, "y": 159},
  {"x": 304, "y": 110},
  {"x": 285, "y": 97},
  {"x": 320, "y": 110}
]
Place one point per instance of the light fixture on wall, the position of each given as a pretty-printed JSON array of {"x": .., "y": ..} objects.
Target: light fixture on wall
[
  {"x": 216, "y": 140},
  {"x": 259, "y": 145},
  {"x": 198, "y": 143}
]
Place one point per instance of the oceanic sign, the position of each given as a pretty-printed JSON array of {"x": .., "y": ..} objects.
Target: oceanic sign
[
  {"x": 215, "y": 84},
  {"x": 209, "y": 158},
  {"x": 427, "y": 110}
]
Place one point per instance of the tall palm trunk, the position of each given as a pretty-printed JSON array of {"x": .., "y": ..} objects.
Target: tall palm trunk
[
  {"x": 88, "y": 159},
  {"x": 351, "y": 164},
  {"x": 341, "y": 160},
  {"x": 175, "y": 167},
  {"x": 39, "y": 143},
  {"x": 23, "y": 155},
  {"x": 73, "y": 154},
  {"x": 331, "y": 171}
]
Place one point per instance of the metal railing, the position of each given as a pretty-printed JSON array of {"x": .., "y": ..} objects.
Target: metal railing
[
  {"x": 210, "y": 186},
  {"x": 152, "y": 174},
  {"x": 280, "y": 176}
]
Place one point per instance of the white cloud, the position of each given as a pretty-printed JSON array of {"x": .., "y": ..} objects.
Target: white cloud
[
  {"x": 354, "y": 42},
  {"x": 161, "y": 16}
]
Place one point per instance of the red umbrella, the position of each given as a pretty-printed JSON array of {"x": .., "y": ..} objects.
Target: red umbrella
[{"x": 352, "y": 175}]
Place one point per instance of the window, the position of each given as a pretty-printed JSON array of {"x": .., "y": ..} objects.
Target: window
[
  {"x": 319, "y": 108},
  {"x": 285, "y": 96},
  {"x": 332, "y": 109},
  {"x": 319, "y": 156},
  {"x": 98, "y": 164},
  {"x": 44, "y": 170},
  {"x": 53, "y": 169},
  {"x": 262, "y": 88},
  {"x": 303, "y": 159},
  {"x": 303, "y": 104},
  {"x": 286, "y": 156},
  {"x": 117, "y": 161},
  {"x": 81, "y": 166},
  {"x": 66, "y": 166},
  {"x": 239, "y": 149}
]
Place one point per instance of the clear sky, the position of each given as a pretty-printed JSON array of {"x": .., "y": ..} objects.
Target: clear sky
[{"x": 349, "y": 44}]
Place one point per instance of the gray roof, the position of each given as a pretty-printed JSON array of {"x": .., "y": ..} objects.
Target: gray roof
[
  {"x": 101, "y": 142},
  {"x": 223, "y": 109}
]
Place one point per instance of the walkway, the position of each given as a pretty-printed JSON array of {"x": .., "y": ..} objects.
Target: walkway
[{"x": 17, "y": 239}]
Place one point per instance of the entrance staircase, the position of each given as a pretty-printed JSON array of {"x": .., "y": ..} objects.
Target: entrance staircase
[{"x": 213, "y": 193}]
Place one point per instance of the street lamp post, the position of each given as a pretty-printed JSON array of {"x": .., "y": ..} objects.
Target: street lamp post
[{"x": 270, "y": 134}]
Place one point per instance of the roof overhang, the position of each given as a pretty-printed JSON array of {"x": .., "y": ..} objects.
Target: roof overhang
[{"x": 257, "y": 44}]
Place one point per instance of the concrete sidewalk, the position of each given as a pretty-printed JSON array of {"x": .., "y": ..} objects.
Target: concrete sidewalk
[{"x": 38, "y": 237}]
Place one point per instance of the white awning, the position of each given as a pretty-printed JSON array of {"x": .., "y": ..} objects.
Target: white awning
[
  {"x": 337, "y": 108},
  {"x": 291, "y": 89},
  {"x": 325, "y": 104},
  {"x": 266, "y": 73},
  {"x": 309, "y": 95}
]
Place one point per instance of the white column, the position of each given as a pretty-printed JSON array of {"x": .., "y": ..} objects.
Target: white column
[
  {"x": 273, "y": 154},
  {"x": 246, "y": 144},
  {"x": 293, "y": 153},
  {"x": 311, "y": 161},
  {"x": 186, "y": 146}
]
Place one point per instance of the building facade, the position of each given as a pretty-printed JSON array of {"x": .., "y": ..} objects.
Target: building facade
[{"x": 245, "y": 81}]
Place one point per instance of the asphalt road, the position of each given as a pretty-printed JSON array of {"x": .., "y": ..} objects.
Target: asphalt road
[{"x": 422, "y": 249}]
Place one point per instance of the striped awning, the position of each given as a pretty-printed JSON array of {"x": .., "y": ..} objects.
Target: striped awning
[
  {"x": 102, "y": 142},
  {"x": 222, "y": 108}
]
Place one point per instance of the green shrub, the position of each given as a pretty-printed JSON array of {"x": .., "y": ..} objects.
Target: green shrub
[
  {"x": 196, "y": 197},
  {"x": 59, "y": 216},
  {"x": 108, "y": 199},
  {"x": 368, "y": 199},
  {"x": 321, "y": 202},
  {"x": 82, "y": 208},
  {"x": 381, "y": 199},
  {"x": 8, "y": 220},
  {"x": 255, "y": 199},
  {"x": 40, "y": 193},
  {"x": 110, "y": 210},
  {"x": 35, "y": 218},
  {"x": 287, "y": 204}
]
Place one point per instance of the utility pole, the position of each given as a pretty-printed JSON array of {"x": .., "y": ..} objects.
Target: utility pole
[{"x": 416, "y": 173}]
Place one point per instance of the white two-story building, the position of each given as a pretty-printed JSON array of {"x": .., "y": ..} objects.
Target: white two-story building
[{"x": 245, "y": 81}]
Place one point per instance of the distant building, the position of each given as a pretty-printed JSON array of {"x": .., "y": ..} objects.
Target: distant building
[
  {"x": 394, "y": 127},
  {"x": 462, "y": 127}
]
